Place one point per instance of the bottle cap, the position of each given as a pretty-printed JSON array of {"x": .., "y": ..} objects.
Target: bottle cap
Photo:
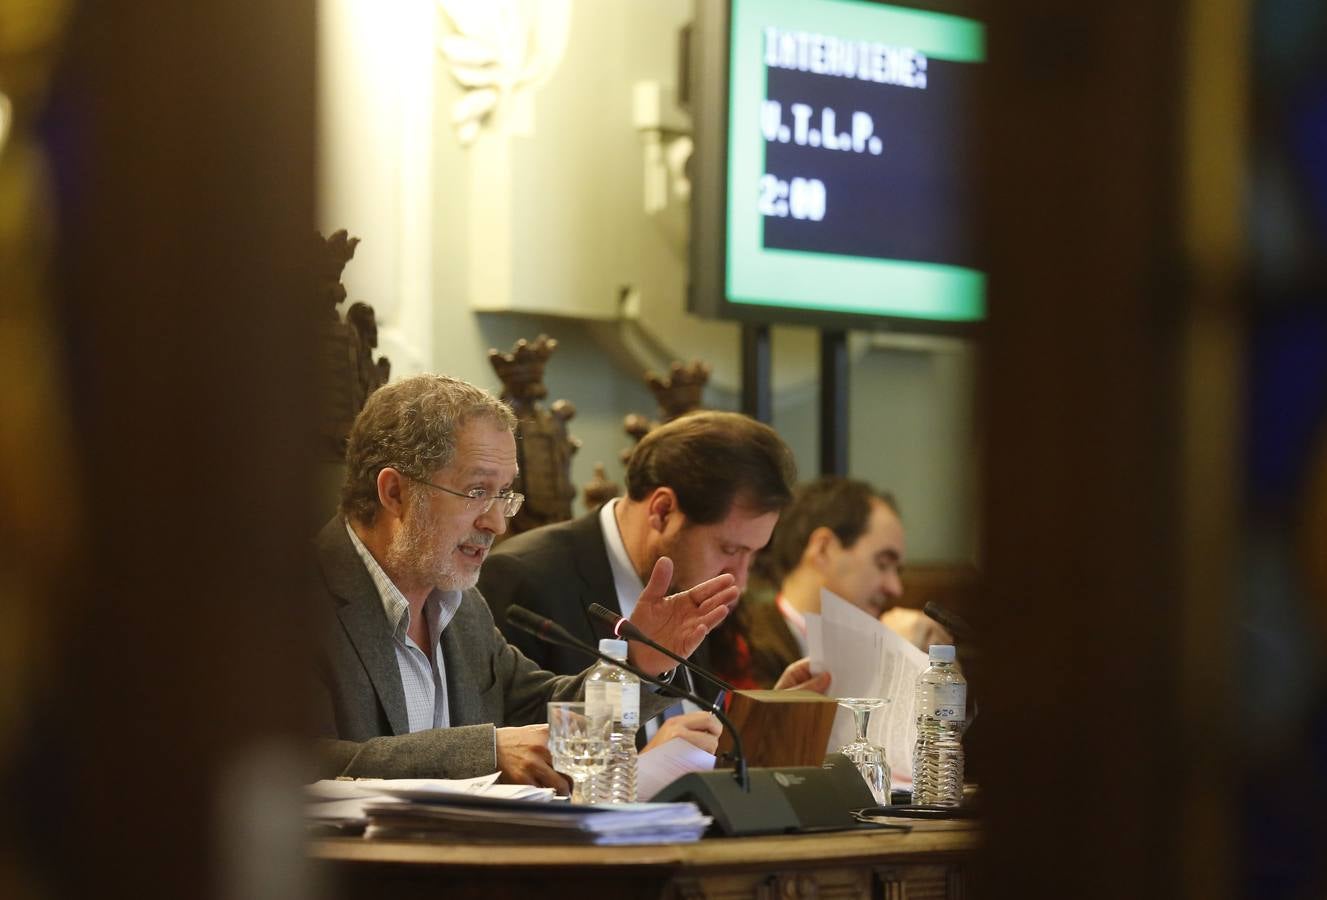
[
  {"x": 942, "y": 653},
  {"x": 617, "y": 649}
]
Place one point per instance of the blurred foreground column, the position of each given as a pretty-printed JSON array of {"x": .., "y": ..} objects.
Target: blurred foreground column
[
  {"x": 1114, "y": 136},
  {"x": 163, "y": 750}
]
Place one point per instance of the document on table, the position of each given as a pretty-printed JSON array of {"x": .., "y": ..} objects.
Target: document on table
[
  {"x": 344, "y": 801},
  {"x": 668, "y": 762},
  {"x": 869, "y": 660},
  {"x": 618, "y": 823}
]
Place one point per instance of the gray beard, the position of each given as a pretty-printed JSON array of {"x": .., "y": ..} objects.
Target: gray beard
[{"x": 417, "y": 556}]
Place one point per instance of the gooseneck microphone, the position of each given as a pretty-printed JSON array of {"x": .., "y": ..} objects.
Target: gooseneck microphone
[
  {"x": 960, "y": 629},
  {"x": 623, "y": 628},
  {"x": 551, "y": 632}
]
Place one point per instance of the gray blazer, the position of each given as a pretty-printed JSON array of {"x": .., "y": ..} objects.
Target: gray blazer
[{"x": 362, "y": 723}]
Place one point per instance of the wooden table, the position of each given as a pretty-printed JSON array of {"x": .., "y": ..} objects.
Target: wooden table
[{"x": 931, "y": 861}]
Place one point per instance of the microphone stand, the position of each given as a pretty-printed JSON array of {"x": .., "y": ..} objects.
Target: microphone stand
[{"x": 623, "y": 628}]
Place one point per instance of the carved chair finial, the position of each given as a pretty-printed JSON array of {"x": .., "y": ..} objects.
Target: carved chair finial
[
  {"x": 599, "y": 490},
  {"x": 680, "y": 391},
  {"x": 522, "y": 370},
  {"x": 544, "y": 450},
  {"x": 677, "y": 393},
  {"x": 350, "y": 372}
]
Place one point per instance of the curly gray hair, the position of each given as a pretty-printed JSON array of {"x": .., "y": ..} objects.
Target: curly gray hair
[{"x": 412, "y": 426}]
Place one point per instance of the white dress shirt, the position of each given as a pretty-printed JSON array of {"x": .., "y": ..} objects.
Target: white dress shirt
[{"x": 627, "y": 584}]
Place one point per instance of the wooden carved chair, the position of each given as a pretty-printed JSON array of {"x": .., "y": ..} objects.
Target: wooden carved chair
[
  {"x": 677, "y": 393},
  {"x": 544, "y": 448},
  {"x": 348, "y": 370}
]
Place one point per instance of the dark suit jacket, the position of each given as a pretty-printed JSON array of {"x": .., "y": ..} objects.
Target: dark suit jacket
[
  {"x": 558, "y": 571},
  {"x": 362, "y": 712},
  {"x": 772, "y": 646}
]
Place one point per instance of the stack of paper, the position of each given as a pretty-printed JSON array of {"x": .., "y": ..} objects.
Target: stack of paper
[
  {"x": 868, "y": 660},
  {"x": 340, "y": 804},
  {"x": 483, "y": 819}
]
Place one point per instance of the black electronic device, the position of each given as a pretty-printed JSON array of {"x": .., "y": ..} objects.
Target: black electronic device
[
  {"x": 781, "y": 799},
  {"x": 742, "y": 802},
  {"x": 834, "y": 164}
]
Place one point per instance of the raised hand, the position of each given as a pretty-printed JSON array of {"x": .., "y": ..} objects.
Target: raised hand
[{"x": 678, "y": 621}]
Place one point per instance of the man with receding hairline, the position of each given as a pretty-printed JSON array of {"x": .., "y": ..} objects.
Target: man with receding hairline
[
  {"x": 415, "y": 679},
  {"x": 840, "y": 534}
]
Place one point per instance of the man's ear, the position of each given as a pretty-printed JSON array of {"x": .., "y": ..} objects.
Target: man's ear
[
  {"x": 820, "y": 547},
  {"x": 391, "y": 492},
  {"x": 661, "y": 505}
]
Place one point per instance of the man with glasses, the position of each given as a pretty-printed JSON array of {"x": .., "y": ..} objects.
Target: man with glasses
[{"x": 415, "y": 680}]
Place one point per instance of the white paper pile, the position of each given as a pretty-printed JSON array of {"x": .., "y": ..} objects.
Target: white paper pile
[
  {"x": 341, "y": 803},
  {"x": 485, "y": 819},
  {"x": 868, "y": 660}
]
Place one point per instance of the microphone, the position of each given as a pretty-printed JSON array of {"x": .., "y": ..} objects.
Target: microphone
[
  {"x": 545, "y": 629},
  {"x": 623, "y": 628},
  {"x": 960, "y": 629}
]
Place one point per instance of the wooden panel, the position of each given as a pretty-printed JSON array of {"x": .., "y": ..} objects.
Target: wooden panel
[
  {"x": 780, "y": 728},
  {"x": 927, "y": 862}
]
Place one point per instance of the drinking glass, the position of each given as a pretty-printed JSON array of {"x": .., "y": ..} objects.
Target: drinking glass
[
  {"x": 577, "y": 743},
  {"x": 869, "y": 758}
]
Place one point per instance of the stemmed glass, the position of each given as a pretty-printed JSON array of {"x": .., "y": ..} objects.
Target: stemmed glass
[
  {"x": 869, "y": 758},
  {"x": 577, "y": 743}
]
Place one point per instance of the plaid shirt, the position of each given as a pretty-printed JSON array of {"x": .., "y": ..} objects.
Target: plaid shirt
[{"x": 423, "y": 676}]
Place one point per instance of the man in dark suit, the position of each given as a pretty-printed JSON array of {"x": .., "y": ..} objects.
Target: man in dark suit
[
  {"x": 414, "y": 678},
  {"x": 704, "y": 489}
]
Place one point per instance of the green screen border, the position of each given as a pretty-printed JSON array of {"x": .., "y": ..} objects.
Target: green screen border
[{"x": 758, "y": 276}]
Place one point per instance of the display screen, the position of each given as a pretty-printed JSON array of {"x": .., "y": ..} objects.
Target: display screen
[{"x": 850, "y": 186}]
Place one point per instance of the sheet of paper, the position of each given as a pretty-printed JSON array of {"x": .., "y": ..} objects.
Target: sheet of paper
[
  {"x": 347, "y": 788},
  {"x": 668, "y": 762},
  {"x": 348, "y": 810},
  {"x": 866, "y": 659},
  {"x": 814, "y": 643},
  {"x": 621, "y": 823},
  {"x": 440, "y": 789}
]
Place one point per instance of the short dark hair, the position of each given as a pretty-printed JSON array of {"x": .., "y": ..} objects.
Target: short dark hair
[
  {"x": 711, "y": 460},
  {"x": 843, "y": 505},
  {"x": 412, "y": 426}
]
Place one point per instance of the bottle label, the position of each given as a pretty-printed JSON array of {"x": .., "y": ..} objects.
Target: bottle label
[
  {"x": 628, "y": 705},
  {"x": 949, "y": 702},
  {"x": 613, "y": 699}
]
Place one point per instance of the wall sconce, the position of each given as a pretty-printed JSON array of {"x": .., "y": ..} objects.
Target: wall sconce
[{"x": 665, "y": 133}]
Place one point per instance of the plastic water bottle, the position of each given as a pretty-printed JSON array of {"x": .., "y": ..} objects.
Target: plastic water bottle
[
  {"x": 937, "y": 757},
  {"x": 614, "y": 693}
]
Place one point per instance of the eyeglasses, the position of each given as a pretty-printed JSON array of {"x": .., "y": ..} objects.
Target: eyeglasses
[{"x": 481, "y": 501}]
